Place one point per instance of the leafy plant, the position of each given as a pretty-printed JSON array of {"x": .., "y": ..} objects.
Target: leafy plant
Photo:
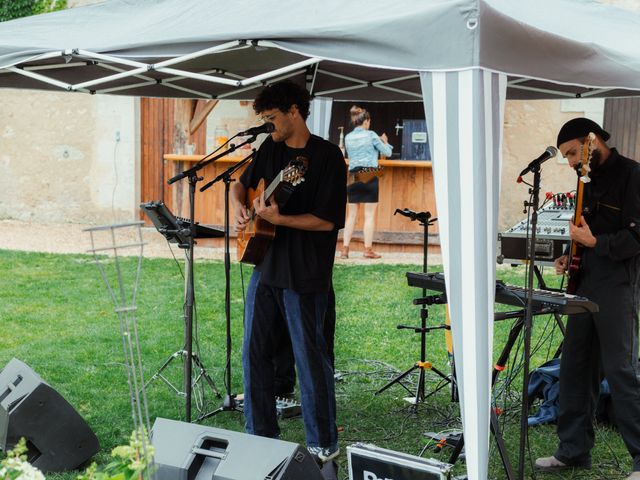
[
  {"x": 10, "y": 9},
  {"x": 130, "y": 461}
]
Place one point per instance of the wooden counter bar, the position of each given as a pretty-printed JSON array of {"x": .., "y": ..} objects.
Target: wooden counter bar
[{"x": 403, "y": 184}]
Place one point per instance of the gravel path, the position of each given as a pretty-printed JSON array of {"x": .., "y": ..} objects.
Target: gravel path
[{"x": 71, "y": 238}]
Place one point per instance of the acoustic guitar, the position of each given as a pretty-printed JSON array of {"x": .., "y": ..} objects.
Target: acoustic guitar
[
  {"x": 255, "y": 240},
  {"x": 365, "y": 174},
  {"x": 582, "y": 170}
]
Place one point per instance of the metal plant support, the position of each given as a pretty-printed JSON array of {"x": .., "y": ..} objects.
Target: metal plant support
[{"x": 107, "y": 255}]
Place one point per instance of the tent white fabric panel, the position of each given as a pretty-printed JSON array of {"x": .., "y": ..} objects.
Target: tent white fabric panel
[{"x": 464, "y": 116}]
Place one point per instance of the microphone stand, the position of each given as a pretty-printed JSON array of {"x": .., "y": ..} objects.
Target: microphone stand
[
  {"x": 425, "y": 220},
  {"x": 524, "y": 420},
  {"x": 229, "y": 403},
  {"x": 192, "y": 175}
]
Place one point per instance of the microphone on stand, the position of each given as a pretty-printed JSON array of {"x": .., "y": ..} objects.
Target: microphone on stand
[
  {"x": 546, "y": 155},
  {"x": 266, "y": 127},
  {"x": 421, "y": 216}
]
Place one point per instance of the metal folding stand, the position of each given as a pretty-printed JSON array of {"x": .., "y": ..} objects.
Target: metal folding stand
[
  {"x": 124, "y": 302},
  {"x": 425, "y": 220},
  {"x": 229, "y": 404}
]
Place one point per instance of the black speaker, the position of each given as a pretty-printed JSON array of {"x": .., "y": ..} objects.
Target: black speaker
[
  {"x": 57, "y": 437},
  {"x": 186, "y": 451}
]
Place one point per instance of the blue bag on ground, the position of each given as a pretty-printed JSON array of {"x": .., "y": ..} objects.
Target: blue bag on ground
[{"x": 544, "y": 383}]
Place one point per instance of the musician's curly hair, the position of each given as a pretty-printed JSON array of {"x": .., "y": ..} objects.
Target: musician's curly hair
[{"x": 283, "y": 95}]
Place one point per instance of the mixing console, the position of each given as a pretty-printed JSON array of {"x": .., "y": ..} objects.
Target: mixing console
[{"x": 552, "y": 233}]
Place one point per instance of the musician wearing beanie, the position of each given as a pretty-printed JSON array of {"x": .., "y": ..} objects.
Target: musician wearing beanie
[{"x": 602, "y": 344}]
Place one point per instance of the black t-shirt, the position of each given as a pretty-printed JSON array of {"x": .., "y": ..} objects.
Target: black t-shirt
[{"x": 302, "y": 260}]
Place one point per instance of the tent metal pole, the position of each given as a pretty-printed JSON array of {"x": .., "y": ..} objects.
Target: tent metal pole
[
  {"x": 397, "y": 90},
  {"x": 41, "y": 78},
  {"x": 110, "y": 78},
  {"x": 198, "y": 76},
  {"x": 279, "y": 71},
  {"x": 235, "y": 45}
]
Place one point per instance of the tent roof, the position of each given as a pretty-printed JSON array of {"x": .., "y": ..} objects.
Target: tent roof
[{"x": 356, "y": 50}]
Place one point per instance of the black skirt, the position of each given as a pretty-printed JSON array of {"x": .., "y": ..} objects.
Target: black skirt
[{"x": 359, "y": 192}]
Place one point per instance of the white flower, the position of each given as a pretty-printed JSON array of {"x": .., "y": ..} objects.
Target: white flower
[{"x": 25, "y": 470}]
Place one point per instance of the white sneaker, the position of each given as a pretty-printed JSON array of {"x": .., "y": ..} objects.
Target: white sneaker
[{"x": 324, "y": 454}]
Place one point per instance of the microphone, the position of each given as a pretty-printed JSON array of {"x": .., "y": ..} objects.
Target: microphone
[
  {"x": 266, "y": 127},
  {"x": 546, "y": 155},
  {"x": 421, "y": 216}
]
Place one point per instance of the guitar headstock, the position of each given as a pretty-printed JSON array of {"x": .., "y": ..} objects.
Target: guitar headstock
[
  {"x": 295, "y": 171},
  {"x": 584, "y": 167}
]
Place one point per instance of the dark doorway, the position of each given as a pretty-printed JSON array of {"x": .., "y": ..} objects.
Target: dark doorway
[{"x": 384, "y": 118}]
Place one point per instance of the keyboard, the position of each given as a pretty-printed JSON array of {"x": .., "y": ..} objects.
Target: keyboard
[{"x": 512, "y": 295}]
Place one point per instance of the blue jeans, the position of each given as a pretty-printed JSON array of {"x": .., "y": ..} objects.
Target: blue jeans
[{"x": 268, "y": 310}]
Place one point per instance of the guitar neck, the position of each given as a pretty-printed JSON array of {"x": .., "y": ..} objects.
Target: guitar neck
[
  {"x": 273, "y": 186},
  {"x": 578, "y": 212},
  {"x": 577, "y": 216}
]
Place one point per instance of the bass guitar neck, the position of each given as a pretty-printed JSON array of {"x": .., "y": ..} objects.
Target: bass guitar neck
[{"x": 575, "y": 251}]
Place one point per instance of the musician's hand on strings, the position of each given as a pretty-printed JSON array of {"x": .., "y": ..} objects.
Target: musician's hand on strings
[
  {"x": 582, "y": 234},
  {"x": 240, "y": 218},
  {"x": 561, "y": 264},
  {"x": 269, "y": 211}
]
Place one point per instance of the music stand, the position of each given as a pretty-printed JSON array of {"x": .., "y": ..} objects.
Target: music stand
[{"x": 179, "y": 230}]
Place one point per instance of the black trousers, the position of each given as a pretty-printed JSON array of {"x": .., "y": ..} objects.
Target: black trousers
[
  {"x": 603, "y": 344},
  {"x": 283, "y": 363}
]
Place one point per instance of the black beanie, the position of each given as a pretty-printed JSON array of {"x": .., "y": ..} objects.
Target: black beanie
[{"x": 578, "y": 128}]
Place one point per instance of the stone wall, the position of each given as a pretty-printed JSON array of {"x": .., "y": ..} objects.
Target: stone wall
[
  {"x": 68, "y": 157},
  {"x": 529, "y": 128}
]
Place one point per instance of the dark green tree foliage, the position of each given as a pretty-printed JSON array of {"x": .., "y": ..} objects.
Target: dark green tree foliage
[{"x": 10, "y": 9}]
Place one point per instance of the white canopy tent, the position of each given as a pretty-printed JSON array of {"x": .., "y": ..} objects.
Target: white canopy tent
[{"x": 462, "y": 58}]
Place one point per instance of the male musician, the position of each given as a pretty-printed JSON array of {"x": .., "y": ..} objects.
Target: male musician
[
  {"x": 609, "y": 275},
  {"x": 289, "y": 288}
]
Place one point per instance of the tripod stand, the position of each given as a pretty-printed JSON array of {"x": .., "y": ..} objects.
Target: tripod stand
[
  {"x": 425, "y": 220},
  {"x": 183, "y": 232}
]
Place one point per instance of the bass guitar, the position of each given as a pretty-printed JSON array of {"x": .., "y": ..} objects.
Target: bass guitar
[
  {"x": 254, "y": 241},
  {"x": 575, "y": 251}
]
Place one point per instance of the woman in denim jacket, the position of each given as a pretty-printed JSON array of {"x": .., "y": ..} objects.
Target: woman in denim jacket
[{"x": 363, "y": 149}]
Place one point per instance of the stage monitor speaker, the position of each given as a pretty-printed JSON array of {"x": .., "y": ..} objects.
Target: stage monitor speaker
[
  {"x": 58, "y": 439},
  {"x": 187, "y": 451}
]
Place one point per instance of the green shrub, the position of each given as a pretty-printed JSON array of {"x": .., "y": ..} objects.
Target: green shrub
[{"x": 10, "y": 9}]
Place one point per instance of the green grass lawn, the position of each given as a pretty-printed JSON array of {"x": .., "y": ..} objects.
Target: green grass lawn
[{"x": 58, "y": 318}]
